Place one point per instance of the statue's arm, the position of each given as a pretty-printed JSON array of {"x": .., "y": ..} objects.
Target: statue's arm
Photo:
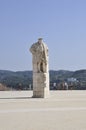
[{"x": 33, "y": 49}]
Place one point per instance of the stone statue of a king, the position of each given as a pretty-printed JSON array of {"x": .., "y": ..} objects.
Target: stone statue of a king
[{"x": 40, "y": 63}]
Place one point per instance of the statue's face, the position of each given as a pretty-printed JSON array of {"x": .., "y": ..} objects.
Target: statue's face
[{"x": 40, "y": 41}]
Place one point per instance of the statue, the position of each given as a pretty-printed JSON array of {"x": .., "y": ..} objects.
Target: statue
[
  {"x": 39, "y": 52},
  {"x": 40, "y": 56}
]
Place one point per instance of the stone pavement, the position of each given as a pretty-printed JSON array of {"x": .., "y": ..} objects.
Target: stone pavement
[{"x": 63, "y": 110}]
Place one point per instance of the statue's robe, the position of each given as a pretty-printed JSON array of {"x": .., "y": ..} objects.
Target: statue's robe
[{"x": 40, "y": 56}]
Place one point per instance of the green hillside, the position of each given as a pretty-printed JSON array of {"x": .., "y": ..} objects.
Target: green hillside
[{"x": 22, "y": 80}]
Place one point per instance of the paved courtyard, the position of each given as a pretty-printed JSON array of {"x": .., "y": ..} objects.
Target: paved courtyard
[{"x": 63, "y": 110}]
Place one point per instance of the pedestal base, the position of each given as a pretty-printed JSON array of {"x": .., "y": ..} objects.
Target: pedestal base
[{"x": 40, "y": 85}]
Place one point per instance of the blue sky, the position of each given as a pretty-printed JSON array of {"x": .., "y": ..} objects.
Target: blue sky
[{"x": 61, "y": 23}]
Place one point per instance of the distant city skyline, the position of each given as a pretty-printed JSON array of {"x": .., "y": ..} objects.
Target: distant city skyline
[{"x": 61, "y": 24}]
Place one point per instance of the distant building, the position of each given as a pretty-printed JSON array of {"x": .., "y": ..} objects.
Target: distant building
[
  {"x": 66, "y": 85},
  {"x": 72, "y": 80}
]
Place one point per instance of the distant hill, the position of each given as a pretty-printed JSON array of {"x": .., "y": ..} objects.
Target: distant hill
[
  {"x": 16, "y": 80},
  {"x": 60, "y": 74},
  {"x": 80, "y": 75},
  {"x": 23, "y": 79}
]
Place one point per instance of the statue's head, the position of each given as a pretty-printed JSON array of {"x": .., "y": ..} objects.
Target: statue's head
[{"x": 40, "y": 40}]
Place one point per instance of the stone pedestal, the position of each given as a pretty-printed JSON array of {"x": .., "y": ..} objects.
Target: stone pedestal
[
  {"x": 40, "y": 85},
  {"x": 39, "y": 52}
]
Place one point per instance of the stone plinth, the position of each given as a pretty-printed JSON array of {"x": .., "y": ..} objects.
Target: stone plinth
[{"x": 40, "y": 85}]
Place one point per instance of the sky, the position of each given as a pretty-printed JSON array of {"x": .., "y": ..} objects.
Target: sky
[{"x": 61, "y": 24}]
